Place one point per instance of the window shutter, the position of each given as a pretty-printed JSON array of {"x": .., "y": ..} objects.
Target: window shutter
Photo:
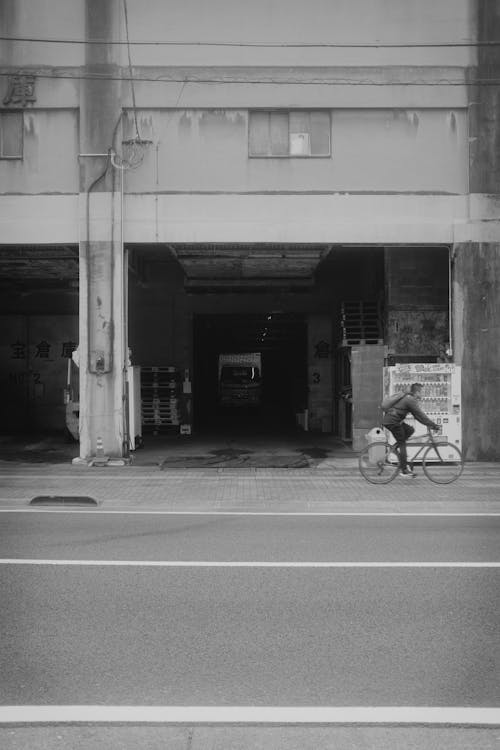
[
  {"x": 11, "y": 135},
  {"x": 320, "y": 133},
  {"x": 279, "y": 133},
  {"x": 258, "y": 135}
]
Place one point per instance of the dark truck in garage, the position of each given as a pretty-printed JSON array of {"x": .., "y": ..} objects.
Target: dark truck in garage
[{"x": 240, "y": 379}]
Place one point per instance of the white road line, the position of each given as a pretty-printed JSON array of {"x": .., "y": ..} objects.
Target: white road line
[
  {"x": 237, "y": 475},
  {"x": 243, "y": 564},
  {"x": 368, "y": 514},
  {"x": 407, "y": 715}
]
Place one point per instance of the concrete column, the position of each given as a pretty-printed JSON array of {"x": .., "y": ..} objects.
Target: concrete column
[
  {"x": 367, "y": 363},
  {"x": 320, "y": 386},
  {"x": 476, "y": 265},
  {"x": 476, "y": 334},
  {"x": 484, "y": 104},
  {"x": 102, "y": 340}
]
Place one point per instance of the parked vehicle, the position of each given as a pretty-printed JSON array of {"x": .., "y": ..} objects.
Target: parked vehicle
[{"x": 240, "y": 379}]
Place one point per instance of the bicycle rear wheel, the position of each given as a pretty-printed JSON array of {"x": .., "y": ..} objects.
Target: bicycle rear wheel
[
  {"x": 442, "y": 463},
  {"x": 379, "y": 463}
]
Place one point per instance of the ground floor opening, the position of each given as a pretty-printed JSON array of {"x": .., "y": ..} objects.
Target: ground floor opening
[
  {"x": 39, "y": 301},
  {"x": 302, "y": 308}
]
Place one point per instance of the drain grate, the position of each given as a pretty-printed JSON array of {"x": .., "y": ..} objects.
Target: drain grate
[{"x": 63, "y": 500}]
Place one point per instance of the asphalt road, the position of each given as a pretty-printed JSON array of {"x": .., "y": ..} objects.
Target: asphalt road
[
  {"x": 173, "y": 619},
  {"x": 118, "y": 535}
]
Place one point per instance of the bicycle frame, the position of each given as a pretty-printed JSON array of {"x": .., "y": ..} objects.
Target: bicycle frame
[
  {"x": 442, "y": 461},
  {"x": 428, "y": 440}
]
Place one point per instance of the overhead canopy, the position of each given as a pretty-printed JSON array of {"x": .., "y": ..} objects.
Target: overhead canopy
[
  {"x": 23, "y": 264},
  {"x": 248, "y": 265},
  {"x": 204, "y": 266}
]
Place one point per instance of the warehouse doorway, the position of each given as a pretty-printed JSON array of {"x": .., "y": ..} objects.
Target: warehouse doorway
[
  {"x": 39, "y": 296},
  {"x": 280, "y": 340}
]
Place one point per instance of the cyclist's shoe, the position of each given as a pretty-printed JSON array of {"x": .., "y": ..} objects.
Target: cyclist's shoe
[{"x": 407, "y": 473}]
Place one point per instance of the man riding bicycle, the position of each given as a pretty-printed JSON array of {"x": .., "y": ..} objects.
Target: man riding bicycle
[{"x": 394, "y": 421}]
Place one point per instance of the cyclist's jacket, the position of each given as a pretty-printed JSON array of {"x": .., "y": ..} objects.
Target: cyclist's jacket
[{"x": 407, "y": 405}]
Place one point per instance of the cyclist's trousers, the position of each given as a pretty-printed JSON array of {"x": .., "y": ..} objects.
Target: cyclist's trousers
[{"x": 401, "y": 432}]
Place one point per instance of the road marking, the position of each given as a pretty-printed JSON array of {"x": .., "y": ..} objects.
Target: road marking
[
  {"x": 462, "y": 716},
  {"x": 243, "y": 564},
  {"x": 368, "y": 514},
  {"x": 219, "y": 473}
]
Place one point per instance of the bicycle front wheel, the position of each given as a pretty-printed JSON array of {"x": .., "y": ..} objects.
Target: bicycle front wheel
[
  {"x": 442, "y": 463},
  {"x": 379, "y": 463}
]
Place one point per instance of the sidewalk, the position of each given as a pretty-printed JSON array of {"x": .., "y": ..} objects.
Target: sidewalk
[{"x": 333, "y": 485}]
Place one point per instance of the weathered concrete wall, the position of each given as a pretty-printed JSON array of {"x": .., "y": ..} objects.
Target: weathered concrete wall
[
  {"x": 49, "y": 164},
  {"x": 341, "y": 218},
  {"x": 476, "y": 296},
  {"x": 485, "y": 105},
  {"x": 43, "y": 19},
  {"x": 371, "y": 150},
  {"x": 417, "y": 309},
  {"x": 476, "y": 266},
  {"x": 274, "y": 22}
]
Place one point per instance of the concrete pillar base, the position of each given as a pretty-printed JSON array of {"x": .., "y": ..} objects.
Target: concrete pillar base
[
  {"x": 79, "y": 461},
  {"x": 102, "y": 461}
]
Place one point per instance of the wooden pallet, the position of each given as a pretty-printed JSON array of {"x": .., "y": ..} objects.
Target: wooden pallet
[
  {"x": 360, "y": 323},
  {"x": 361, "y": 342}
]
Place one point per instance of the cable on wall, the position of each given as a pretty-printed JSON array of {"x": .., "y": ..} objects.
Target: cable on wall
[
  {"x": 263, "y": 81},
  {"x": 293, "y": 45},
  {"x": 138, "y": 138}
]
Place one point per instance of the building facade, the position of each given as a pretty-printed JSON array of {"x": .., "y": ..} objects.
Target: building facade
[{"x": 187, "y": 178}]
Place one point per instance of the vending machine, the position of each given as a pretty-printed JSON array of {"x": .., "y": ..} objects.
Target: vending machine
[{"x": 441, "y": 396}]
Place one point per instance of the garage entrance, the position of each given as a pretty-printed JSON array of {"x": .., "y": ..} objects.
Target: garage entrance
[
  {"x": 281, "y": 341},
  {"x": 38, "y": 332},
  {"x": 191, "y": 303}
]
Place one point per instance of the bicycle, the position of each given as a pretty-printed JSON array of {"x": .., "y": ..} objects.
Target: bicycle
[{"x": 442, "y": 461}]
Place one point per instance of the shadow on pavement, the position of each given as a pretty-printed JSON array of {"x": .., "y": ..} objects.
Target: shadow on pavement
[{"x": 293, "y": 450}]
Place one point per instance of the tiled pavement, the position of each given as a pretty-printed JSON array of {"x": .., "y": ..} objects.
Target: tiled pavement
[{"x": 334, "y": 485}]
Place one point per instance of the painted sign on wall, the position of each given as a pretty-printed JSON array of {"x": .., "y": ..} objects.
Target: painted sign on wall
[{"x": 34, "y": 353}]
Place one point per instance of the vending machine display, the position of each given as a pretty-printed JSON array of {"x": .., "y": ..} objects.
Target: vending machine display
[{"x": 441, "y": 396}]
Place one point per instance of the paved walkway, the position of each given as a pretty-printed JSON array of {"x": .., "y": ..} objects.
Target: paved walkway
[{"x": 333, "y": 485}]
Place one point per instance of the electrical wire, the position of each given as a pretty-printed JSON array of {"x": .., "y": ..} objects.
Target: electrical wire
[
  {"x": 134, "y": 107},
  {"x": 263, "y": 81},
  {"x": 293, "y": 45}
]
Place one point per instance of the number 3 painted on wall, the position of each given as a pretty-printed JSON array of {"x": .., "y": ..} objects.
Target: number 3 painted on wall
[{"x": 316, "y": 377}]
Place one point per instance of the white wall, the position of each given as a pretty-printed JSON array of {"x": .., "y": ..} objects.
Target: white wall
[
  {"x": 372, "y": 150},
  {"x": 364, "y": 219},
  {"x": 42, "y": 19},
  {"x": 296, "y": 21},
  {"x": 50, "y": 160}
]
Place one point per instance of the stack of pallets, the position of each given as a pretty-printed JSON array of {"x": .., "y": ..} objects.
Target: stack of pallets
[
  {"x": 161, "y": 388},
  {"x": 360, "y": 323}
]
